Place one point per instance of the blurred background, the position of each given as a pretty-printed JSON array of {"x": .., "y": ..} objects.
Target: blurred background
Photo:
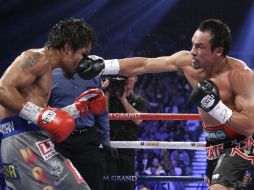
[{"x": 148, "y": 28}]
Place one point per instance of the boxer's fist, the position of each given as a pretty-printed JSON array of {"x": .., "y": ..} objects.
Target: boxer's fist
[
  {"x": 206, "y": 96},
  {"x": 56, "y": 122},
  {"x": 90, "y": 67},
  {"x": 90, "y": 101},
  {"x": 97, "y": 105}
]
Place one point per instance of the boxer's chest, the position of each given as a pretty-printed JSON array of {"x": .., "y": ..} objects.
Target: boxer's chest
[{"x": 226, "y": 93}]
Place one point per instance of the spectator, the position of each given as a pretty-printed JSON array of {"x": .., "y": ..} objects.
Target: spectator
[{"x": 122, "y": 99}]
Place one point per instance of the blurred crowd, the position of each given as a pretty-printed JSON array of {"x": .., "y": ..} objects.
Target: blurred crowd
[{"x": 166, "y": 93}]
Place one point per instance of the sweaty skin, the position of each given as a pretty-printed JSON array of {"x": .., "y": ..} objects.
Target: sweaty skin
[
  {"x": 29, "y": 77},
  {"x": 234, "y": 79}
]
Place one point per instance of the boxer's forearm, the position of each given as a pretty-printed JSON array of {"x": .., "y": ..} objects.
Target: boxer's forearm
[{"x": 241, "y": 123}]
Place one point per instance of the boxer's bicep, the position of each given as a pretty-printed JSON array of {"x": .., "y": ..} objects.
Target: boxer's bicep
[
  {"x": 242, "y": 82},
  {"x": 172, "y": 63}
]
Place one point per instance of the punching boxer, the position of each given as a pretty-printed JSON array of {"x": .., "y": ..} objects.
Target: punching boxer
[
  {"x": 223, "y": 89},
  {"x": 29, "y": 158}
]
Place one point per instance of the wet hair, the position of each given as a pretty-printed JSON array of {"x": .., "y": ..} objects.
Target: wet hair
[
  {"x": 75, "y": 32},
  {"x": 220, "y": 34}
]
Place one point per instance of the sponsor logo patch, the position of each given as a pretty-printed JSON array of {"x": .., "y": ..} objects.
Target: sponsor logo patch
[
  {"x": 46, "y": 149},
  {"x": 215, "y": 135}
]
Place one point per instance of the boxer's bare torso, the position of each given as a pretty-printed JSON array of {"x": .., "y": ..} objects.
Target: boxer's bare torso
[
  {"x": 28, "y": 78},
  {"x": 30, "y": 75},
  {"x": 233, "y": 78}
]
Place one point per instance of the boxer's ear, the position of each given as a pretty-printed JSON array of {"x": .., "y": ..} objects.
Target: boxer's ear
[{"x": 219, "y": 51}]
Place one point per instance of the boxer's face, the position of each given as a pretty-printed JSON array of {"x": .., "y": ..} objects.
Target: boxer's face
[
  {"x": 72, "y": 59},
  {"x": 202, "y": 56}
]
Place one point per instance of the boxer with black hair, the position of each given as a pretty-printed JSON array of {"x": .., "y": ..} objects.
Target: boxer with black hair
[{"x": 28, "y": 125}]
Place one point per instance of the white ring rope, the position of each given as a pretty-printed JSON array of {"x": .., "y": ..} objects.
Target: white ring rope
[{"x": 159, "y": 145}]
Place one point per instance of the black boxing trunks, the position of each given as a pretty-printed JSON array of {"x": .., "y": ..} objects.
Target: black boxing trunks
[
  {"x": 229, "y": 155},
  {"x": 218, "y": 138},
  {"x": 30, "y": 160}
]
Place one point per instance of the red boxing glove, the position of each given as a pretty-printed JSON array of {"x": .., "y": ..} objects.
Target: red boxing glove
[
  {"x": 56, "y": 122},
  {"x": 98, "y": 104},
  {"x": 90, "y": 101}
]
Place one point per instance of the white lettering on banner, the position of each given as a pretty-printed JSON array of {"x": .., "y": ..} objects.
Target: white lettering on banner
[
  {"x": 120, "y": 178},
  {"x": 6, "y": 128},
  {"x": 46, "y": 148},
  {"x": 126, "y": 115},
  {"x": 214, "y": 152}
]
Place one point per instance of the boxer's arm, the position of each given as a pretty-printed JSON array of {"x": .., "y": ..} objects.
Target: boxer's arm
[
  {"x": 139, "y": 65},
  {"x": 92, "y": 66},
  {"x": 90, "y": 101},
  {"x": 242, "y": 119},
  {"x": 21, "y": 74}
]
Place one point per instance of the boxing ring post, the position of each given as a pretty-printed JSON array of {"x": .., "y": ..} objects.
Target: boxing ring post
[{"x": 156, "y": 145}]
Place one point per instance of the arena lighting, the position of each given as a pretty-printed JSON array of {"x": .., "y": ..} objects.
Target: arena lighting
[
  {"x": 139, "y": 18},
  {"x": 244, "y": 46},
  {"x": 88, "y": 11}
]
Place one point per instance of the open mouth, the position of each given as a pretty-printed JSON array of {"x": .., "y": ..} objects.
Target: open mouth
[{"x": 195, "y": 64}]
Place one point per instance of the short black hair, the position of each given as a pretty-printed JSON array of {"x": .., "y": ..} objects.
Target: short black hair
[
  {"x": 220, "y": 34},
  {"x": 76, "y": 32}
]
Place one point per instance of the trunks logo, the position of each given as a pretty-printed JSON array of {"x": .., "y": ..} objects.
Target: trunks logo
[
  {"x": 56, "y": 168},
  {"x": 214, "y": 152},
  {"x": 6, "y": 127},
  {"x": 215, "y": 135},
  {"x": 39, "y": 175},
  {"x": 10, "y": 171},
  {"x": 244, "y": 149},
  {"x": 48, "y": 116},
  {"x": 46, "y": 149},
  {"x": 28, "y": 155}
]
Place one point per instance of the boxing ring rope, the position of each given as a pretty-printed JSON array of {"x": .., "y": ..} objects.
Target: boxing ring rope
[
  {"x": 153, "y": 116},
  {"x": 159, "y": 145},
  {"x": 156, "y": 145},
  {"x": 154, "y": 179}
]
